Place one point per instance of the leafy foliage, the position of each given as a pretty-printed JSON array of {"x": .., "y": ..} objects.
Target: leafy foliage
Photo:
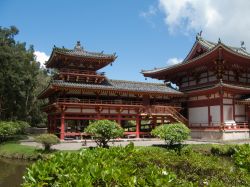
[
  {"x": 172, "y": 133},
  {"x": 130, "y": 166},
  {"x": 21, "y": 80},
  {"x": 10, "y": 128},
  {"x": 103, "y": 131},
  {"x": 225, "y": 150},
  {"x": 242, "y": 156},
  {"x": 47, "y": 140}
]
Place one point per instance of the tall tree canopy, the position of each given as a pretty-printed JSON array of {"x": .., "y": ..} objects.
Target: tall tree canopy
[{"x": 21, "y": 79}]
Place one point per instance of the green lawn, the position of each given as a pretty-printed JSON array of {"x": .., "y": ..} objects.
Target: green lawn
[{"x": 16, "y": 150}]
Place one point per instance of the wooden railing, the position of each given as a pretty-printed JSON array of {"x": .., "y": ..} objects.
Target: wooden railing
[
  {"x": 75, "y": 71},
  {"x": 95, "y": 101},
  {"x": 159, "y": 109},
  {"x": 216, "y": 126}
]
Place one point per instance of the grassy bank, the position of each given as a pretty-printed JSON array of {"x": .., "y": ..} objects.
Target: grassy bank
[{"x": 15, "y": 150}]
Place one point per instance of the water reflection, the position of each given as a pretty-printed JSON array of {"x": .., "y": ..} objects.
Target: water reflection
[{"x": 11, "y": 172}]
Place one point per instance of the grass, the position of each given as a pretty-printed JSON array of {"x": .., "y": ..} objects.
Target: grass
[
  {"x": 14, "y": 147},
  {"x": 15, "y": 150}
]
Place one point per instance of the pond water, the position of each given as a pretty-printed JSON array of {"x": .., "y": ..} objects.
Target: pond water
[{"x": 11, "y": 172}]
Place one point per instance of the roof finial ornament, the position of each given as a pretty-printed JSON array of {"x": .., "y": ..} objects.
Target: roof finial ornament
[
  {"x": 198, "y": 35},
  {"x": 242, "y": 45},
  {"x": 219, "y": 41},
  {"x": 78, "y": 46}
]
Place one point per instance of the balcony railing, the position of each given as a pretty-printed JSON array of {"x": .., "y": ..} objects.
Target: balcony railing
[
  {"x": 75, "y": 71},
  {"x": 217, "y": 126},
  {"x": 95, "y": 101}
]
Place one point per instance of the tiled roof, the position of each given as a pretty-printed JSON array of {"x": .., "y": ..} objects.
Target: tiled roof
[
  {"x": 121, "y": 85},
  {"x": 209, "y": 46},
  {"x": 80, "y": 52}
]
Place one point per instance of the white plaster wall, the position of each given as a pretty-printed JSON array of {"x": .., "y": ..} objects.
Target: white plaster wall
[
  {"x": 88, "y": 111},
  {"x": 105, "y": 111},
  {"x": 239, "y": 109},
  {"x": 198, "y": 115},
  {"x": 212, "y": 78},
  {"x": 191, "y": 83},
  {"x": 215, "y": 114},
  {"x": 227, "y": 101},
  {"x": 203, "y": 80},
  {"x": 124, "y": 112},
  {"x": 73, "y": 110},
  {"x": 202, "y": 97},
  {"x": 242, "y": 79},
  {"x": 184, "y": 84},
  {"x": 240, "y": 119},
  {"x": 192, "y": 98},
  {"x": 228, "y": 112}
]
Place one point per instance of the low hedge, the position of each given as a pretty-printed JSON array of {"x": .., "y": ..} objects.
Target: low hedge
[{"x": 129, "y": 166}]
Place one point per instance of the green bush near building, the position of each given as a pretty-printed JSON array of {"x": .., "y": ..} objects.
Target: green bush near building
[
  {"x": 47, "y": 140},
  {"x": 103, "y": 131},
  {"x": 174, "y": 133}
]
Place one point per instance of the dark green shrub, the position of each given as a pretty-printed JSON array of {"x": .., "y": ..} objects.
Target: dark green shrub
[
  {"x": 117, "y": 166},
  {"x": 129, "y": 166},
  {"x": 223, "y": 150},
  {"x": 8, "y": 129},
  {"x": 172, "y": 133},
  {"x": 103, "y": 131},
  {"x": 47, "y": 140},
  {"x": 242, "y": 156}
]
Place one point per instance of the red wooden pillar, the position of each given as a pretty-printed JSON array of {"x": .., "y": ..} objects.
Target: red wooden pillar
[
  {"x": 54, "y": 124},
  {"x": 62, "y": 127},
  {"x": 137, "y": 126},
  {"x": 49, "y": 124},
  {"x": 221, "y": 109},
  {"x": 162, "y": 120},
  {"x": 233, "y": 108},
  {"x": 119, "y": 119}
]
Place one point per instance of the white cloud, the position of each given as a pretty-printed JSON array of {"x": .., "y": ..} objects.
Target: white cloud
[
  {"x": 149, "y": 14},
  {"x": 41, "y": 57},
  {"x": 226, "y": 19},
  {"x": 173, "y": 61}
]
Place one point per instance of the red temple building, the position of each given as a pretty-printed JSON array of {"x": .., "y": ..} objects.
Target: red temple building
[
  {"x": 215, "y": 81},
  {"x": 79, "y": 93}
]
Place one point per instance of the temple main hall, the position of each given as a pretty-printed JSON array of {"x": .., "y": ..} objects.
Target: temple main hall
[
  {"x": 211, "y": 97},
  {"x": 80, "y": 93}
]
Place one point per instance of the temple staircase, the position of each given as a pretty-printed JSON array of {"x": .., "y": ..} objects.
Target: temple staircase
[{"x": 170, "y": 111}]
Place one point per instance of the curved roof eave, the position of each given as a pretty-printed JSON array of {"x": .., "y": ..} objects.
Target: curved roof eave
[{"x": 183, "y": 63}]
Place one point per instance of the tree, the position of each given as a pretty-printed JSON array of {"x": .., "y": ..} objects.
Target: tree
[
  {"x": 172, "y": 133},
  {"x": 47, "y": 140},
  {"x": 19, "y": 79},
  {"x": 103, "y": 131}
]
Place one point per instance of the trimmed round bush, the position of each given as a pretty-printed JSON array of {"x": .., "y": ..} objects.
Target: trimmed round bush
[
  {"x": 174, "y": 133},
  {"x": 47, "y": 140},
  {"x": 103, "y": 131}
]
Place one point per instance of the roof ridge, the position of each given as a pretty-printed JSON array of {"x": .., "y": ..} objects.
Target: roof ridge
[{"x": 138, "y": 82}]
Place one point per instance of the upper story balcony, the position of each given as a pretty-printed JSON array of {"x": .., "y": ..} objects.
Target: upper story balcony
[{"x": 72, "y": 75}]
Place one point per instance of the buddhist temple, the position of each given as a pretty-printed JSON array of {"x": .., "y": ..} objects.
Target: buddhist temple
[
  {"x": 80, "y": 93},
  {"x": 215, "y": 81}
]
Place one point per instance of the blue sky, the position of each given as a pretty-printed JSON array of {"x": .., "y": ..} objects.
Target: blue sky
[{"x": 143, "y": 33}]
